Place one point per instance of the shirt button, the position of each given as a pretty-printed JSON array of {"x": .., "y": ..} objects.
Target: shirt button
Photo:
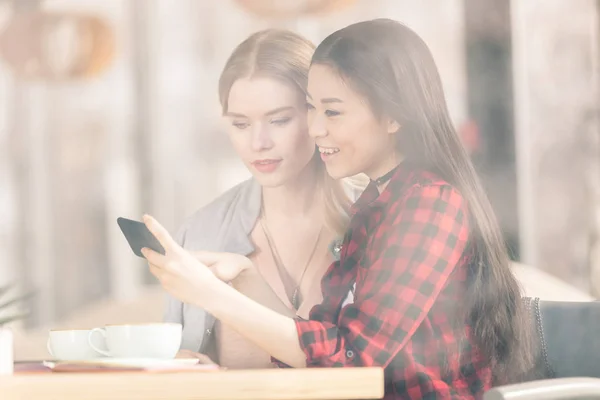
[
  {"x": 349, "y": 353},
  {"x": 208, "y": 332}
]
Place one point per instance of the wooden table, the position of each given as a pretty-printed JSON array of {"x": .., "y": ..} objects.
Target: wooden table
[{"x": 309, "y": 383}]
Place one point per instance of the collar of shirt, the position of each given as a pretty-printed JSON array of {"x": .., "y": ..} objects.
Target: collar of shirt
[{"x": 371, "y": 198}]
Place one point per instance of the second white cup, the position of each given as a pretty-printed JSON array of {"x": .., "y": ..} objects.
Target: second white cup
[
  {"x": 156, "y": 340},
  {"x": 74, "y": 344}
]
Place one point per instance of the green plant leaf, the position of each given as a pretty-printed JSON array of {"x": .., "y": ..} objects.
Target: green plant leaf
[
  {"x": 15, "y": 300},
  {"x": 12, "y": 318},
  {"x": 5, "y": 289}
]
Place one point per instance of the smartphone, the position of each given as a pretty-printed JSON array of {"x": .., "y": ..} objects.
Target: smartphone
[{"x": 138, "y": 236}]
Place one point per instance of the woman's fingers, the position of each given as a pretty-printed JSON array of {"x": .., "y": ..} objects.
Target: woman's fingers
[
  {"x": 156, "y": 271},
  {"x": 184, "y": 353},
  {"x": 154, "y": 258},
  {"x": 202, "y": 358},
  {"x": 161, "y": 234}
]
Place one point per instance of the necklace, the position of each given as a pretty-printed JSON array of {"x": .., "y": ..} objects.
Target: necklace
[
  {"x": 384, "y": 178},
  {"x": 292, "y": 288}
]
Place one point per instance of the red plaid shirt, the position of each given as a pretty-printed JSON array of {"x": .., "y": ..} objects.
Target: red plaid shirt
[{"x": 407, "y": 250}]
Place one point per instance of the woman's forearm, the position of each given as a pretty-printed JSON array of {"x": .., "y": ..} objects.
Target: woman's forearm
[{"x": 245, "y": 308}]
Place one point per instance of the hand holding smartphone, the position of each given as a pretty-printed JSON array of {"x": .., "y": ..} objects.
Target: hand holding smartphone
[{"x": 138, "y": 236}]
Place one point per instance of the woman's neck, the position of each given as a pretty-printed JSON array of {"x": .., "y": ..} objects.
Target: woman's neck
[
  {"x": 383, "y": 168},
  {"x": 298, "y": 198}
]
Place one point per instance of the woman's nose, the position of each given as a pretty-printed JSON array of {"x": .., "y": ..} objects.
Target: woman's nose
[
  {"x": 261, "y": 139},
  {"x": 317, "y": 127}
]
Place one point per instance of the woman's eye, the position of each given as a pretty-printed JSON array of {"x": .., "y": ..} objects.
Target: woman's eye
[
  {"x": 240, "y": 125},
  {"x": 281, "y": 121},
  {"x": 332, "y": 113}
]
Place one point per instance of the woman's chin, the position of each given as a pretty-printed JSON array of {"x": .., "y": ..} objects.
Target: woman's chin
[
  {"x": 338, "y": 171},
  {"x": 270, "y": 180}
]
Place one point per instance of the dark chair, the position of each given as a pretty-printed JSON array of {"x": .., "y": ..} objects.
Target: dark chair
[
  {"x": 568, "y": 335},
  {"x": 568, "y": 362},
  {"x": 548, "y": 389}
]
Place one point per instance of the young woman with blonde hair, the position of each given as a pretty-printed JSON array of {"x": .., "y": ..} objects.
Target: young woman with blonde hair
[{"x": 289, "y": 216}]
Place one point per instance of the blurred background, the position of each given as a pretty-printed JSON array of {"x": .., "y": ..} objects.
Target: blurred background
[{"x": 109, "y": 108}]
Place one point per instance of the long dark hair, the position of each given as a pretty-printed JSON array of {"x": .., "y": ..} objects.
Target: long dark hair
[{"x": 392, "y": 67}]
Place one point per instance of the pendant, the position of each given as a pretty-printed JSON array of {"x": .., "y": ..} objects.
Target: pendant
[
  {"x": 337, "y": 249},
  {"x": 295, "y": 302}
]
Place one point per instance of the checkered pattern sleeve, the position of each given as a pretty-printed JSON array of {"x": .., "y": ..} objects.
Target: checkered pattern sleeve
[{"x": 411, "y": 262}]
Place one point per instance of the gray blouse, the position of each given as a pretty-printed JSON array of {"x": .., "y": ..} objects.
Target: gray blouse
[{"x": 224, "y": 225}]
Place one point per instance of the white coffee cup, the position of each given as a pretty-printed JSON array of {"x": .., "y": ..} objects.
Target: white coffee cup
[
  {"x": 155, "y": 340},
  {"x": 73, "y": 344}
]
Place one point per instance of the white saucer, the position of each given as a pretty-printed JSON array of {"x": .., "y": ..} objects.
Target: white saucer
[{"x": 130, "y": 362}]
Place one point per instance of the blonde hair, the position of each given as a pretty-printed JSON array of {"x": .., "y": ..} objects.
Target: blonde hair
[{"x": 286, "y": 56}]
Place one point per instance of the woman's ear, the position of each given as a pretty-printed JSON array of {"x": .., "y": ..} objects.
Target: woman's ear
[{"x": 392, "y": 126}]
